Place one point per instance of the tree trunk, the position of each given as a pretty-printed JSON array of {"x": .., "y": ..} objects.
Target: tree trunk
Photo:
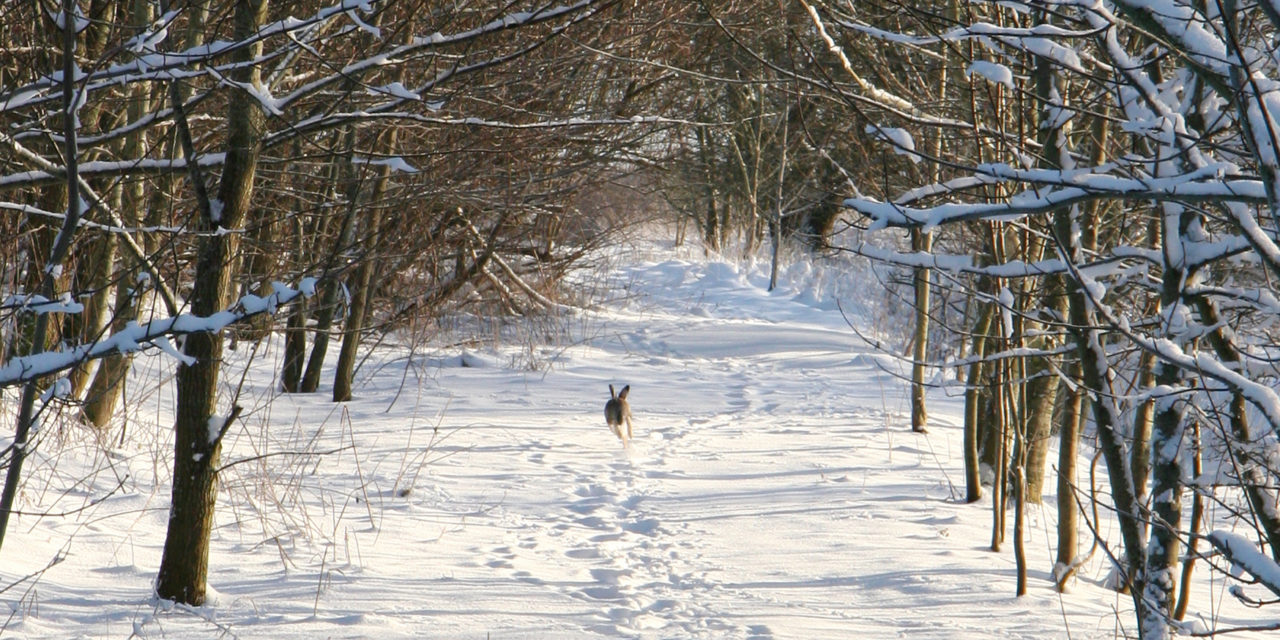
[
  {"x": 326, "y": 308},
  {"x": 330, "y": 285},
  {"x": 1042, "y": 396},
  {"x": 712, "y": 230},
  {"x": 1068, "y": 515},
  {"x": 362, "y": 281},
  {"x": 57, "y": 253},
  {"x": 989, "y": 415},
  {"x": 1019, "y": 505},
  {"x": 999, "y": 471},
  {"x": 345, "y": 373},
  {"x": 1262, "y": 498},
  {"x": 973, "y": 403},
  {"x": 94, "y": 275},
  {"x": 104, "y": 392},
  {"x": 1140, "y": 454},
  {"x": 185, "y": 561},
  {"x": 1166, "y": 504},
  {"x": 295, "y": 333},
  {"x": 1096, "y": 379},
  {"x": 295, "y": 349},
  {"x": 108, "y": 381},
  {"x": 921, "y": 242},
  {"x": 1197, "y": 518}
]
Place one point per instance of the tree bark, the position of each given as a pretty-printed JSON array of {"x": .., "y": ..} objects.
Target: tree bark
[
  {"x": 921, "y": 242},
  {"x": 1197, "y": 518},
  {"x": 57, "y": 253},
  {"x": 973, "y": 403},
  {"x": 108, "y": 381},
  {"x": 326, "y": 308},
  {"x": 1096, "y": 378},
  {"x": 295, "y": 349},
  {"x": 198, "y": 430},
  {"x": 1140, "y": 453},
  {"x": 361, "y": 282},
  {"x": 1042, "y": 396},
  {"x": 95, "y": 277},
  {"x": 1067, "y": 560},
  {"x": 1262, "y": 498}
]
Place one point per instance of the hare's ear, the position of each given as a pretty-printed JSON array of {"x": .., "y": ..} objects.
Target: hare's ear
[
  {"x": 611, "y": 393},
  {"x": 622, "y": 395}
]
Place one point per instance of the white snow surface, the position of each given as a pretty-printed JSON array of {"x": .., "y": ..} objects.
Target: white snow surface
[{"x": 774, "y": 489}]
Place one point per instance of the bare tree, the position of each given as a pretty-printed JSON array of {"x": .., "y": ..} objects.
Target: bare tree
[
  {"x": 1207, "y": 203},
  {"x": 245, "y": 104}
]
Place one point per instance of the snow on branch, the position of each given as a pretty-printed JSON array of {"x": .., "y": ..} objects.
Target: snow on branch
[
  {"x": 899, "y": 140},
  {"x": 40, "y": 304},
  {"x": 152, "y": 65},
  {"x": 1187, "y": 28},
  {"x": 328, "y": 120},
  {"x": 134, "y": 337},
  {"x": 1188, "y": 187},
  {"x": 1039, "y": 40},
  {"x": 873, "y": 91},
  {"x": 1245, "y": 557},
  {"x": 574, "y": 12},
  {"x": 104, "y": 168},
  {"x": 1261, "y": 396},
  {"x": 992, "y": 71}
]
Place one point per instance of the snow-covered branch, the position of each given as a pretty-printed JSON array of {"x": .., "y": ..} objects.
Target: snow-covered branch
[
  {"x": 156, "y": 333},
  {"x": 1057, "y": 189},
  {"x": 1244, "y": 556}
]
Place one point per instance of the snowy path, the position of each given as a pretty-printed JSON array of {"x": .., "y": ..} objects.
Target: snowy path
[{"x": 772, "y": 491}]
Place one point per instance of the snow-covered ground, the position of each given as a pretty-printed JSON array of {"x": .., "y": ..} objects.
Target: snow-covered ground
[{"x": 772, "y": 491}]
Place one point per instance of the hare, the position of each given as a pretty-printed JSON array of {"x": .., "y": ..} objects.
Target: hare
[{"x": 617, "y": 411}]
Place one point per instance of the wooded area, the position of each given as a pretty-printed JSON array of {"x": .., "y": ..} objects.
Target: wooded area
[{"x": 1081, "y": 201}]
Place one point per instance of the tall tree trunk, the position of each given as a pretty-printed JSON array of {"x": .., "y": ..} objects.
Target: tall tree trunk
[
  {"x": 1067, "y": 560},
  {"x": 921, "y": 242},
  {"x": 295, "y": 333},
  {"x": 108, "y": 381},
  {"x": 712, "y": 230},
  {"x": 999, "y": 471},
  {"x": 1140, "y": 453},
  {"x": 775, "y": 219},
  {"x": 361, "y": 283},
  {"x": 94, "y": 269},
  {"x": 1075, "y": 413},
  {"x": 1197, "y": 518},
  {"x": 1019, "y": 504},
  {"x": 349, "y": 186},
  {"x": 1096, "y": 379},
  {"x": 1166, "y": 505},
  {"x": 57, "y": 253},
  {"x": 973, "y": 403},
  {"x": 197, "y": 447},
  {"x": 1254, "y": 475},
  {"x": 93, "y": 276},
  {"x": 1042, "y": 396},
  {"x": 345, "y": 372}
]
